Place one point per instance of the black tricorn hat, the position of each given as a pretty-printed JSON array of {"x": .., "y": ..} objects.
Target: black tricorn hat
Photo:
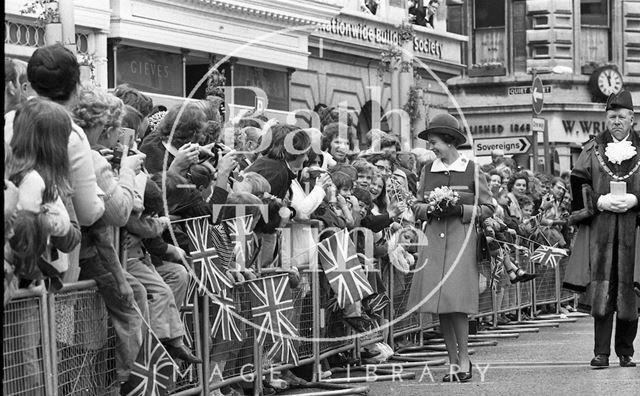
[
  {"x": 444, "y": 124},
  {"x": 621, "y": 100}
]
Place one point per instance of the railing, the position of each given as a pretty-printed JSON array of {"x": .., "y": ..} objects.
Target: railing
[
  {"x": 63, "y": 343},
  {"x": 23, "y": 34}
]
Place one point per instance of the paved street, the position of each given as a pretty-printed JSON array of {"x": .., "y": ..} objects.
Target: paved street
[{"x": 554, "y": 361}]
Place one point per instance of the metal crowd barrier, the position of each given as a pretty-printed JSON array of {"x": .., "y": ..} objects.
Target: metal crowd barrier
[{"x": 63, "y": 343}]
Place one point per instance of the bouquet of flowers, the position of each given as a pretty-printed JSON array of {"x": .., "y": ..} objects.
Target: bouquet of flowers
[{"x": 441, "y": 198}]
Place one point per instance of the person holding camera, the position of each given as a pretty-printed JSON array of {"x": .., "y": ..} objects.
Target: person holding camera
[
  {"x": 100, "y": 114},
  {"x": 180, "y": 135}
]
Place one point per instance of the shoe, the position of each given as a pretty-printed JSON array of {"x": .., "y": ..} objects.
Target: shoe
[
  {"x": 182, "y": 353},
  {"x": 459, "y": 376},
  {"x": 523, "y": 277},
  {"x": 450, "y": 378},
  {"x": 466, "y": 377},
  {"x": 126, "y": 388},
  {"x": 625, "y": 361},
  {"x": 600, "y": 361},
  {"x": 292, "y": 379}
]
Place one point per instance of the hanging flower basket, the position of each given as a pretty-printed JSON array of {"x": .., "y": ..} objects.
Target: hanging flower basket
[
  {"x": 89, "y": 62},
  {"x": 389, "y": 59},
  {"x": 412, "y": 107},
  {"x": 405, "y": 32},
  {"x": 45, "y": 11}
]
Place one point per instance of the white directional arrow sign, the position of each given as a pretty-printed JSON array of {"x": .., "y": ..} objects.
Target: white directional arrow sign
[
  {"x": 537, "y": 95},
  {"x": 510, "y": 145}
]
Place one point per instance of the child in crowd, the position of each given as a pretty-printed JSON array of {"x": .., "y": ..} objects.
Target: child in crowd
[
  {"x": 529, "y": 223},
  {"x": 164, "y": 315},
  {"x": 346, "y": 205},
  {"x": 252, "y": 183},
  {"x": 238, "y": 258},
  {"x": 400, "y": 245},
  {"x": 10, "y": 209},
  {"x": 40, "y": 170},
  {"x": 366, "y": 172},
  {"x": 326, "y": 211}
]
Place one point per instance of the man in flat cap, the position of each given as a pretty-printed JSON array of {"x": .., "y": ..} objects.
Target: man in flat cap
[{"x": 605, "y": 261}]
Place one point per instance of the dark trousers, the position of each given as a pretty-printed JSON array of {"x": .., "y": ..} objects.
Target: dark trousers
[{"x": 625, "y": 334}]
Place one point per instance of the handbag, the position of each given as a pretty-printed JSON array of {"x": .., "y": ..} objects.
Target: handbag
[{"x": 482, "y": 245}]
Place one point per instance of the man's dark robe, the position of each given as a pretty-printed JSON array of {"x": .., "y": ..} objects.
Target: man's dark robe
[{"x": 605, "y": 240}]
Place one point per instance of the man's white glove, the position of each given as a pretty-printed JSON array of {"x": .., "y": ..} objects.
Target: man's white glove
[
  {"x": 628, "y": 201},
  {"x": 617, "y": 203}
]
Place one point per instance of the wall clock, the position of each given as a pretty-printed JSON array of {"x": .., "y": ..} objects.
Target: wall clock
[{"x": 604, "y": 81}]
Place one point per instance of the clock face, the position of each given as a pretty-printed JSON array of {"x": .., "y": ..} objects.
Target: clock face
[{"x": 609, "y": 81}]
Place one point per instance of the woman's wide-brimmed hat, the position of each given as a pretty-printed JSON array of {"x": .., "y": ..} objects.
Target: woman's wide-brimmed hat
[{"x": 444, "y": 124}]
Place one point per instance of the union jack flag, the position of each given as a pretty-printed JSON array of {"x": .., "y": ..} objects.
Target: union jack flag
[
  {"x": 271, "y": 308},
  {"x": 343, "y": 270},
  {"x": 205, "y": 255},
  {"x": 153, "y": 371},
  {"x": 497, "y": 272},
  {"x": 239, "y": 229},
  {"x": 186, "y": 314},
  {"x": 224, "y": 322},
  {"x": 548, "y": 256},
  {"x": 283, "y": 351}
]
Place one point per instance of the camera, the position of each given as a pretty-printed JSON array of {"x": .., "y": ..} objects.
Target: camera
[
  {"x": 216, "y": 150},
  {"x": 117, "y": 157}
]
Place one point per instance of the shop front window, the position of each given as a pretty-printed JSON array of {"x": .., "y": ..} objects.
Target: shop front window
[
  {"x": 595, "y": 36},
  {"x": 273, "y": 83}
]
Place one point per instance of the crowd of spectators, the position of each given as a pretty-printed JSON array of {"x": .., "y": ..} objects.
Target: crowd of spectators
[
  {"x": 85, "y": 169},
  {"x": 532, "y": 210}
]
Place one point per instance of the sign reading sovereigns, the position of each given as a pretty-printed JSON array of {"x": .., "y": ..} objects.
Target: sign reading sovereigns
[{"x": 510, "y": 145}]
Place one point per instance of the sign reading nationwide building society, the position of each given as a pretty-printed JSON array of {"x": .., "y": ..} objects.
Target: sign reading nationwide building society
[{"x": 511, "y": 145}]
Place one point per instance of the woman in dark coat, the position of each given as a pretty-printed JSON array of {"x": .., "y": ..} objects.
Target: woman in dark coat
[{"x": 446, "y": 279}]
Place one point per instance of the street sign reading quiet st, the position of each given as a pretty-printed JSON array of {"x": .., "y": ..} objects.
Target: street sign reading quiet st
[{"x": 510, "y": 145}]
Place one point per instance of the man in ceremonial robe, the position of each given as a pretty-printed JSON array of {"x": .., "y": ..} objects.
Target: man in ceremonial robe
[{"x": 606, "y": 190}]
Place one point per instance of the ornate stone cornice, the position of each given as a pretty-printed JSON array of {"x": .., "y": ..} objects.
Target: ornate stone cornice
[{"x": 299, "y": 12}]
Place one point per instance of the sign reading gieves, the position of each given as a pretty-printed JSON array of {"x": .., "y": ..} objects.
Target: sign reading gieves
[{"x": 150, "y": 70}]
